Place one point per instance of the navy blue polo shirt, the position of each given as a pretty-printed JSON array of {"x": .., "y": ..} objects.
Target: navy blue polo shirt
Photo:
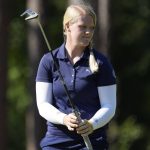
[{"x": 82, "y": 86}]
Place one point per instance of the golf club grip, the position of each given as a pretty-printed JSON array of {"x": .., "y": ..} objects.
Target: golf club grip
[{"x": 85, "y": 138}]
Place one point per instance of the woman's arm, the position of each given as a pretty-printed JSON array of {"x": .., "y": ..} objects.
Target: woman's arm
[
  {"x": 44, "y": 103},
  {"x": 107, "y": 95}
]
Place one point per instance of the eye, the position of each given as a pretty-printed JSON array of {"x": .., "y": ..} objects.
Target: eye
[
  {"x": 92, "y": 28},
  {"x": 82, "y": 26}
]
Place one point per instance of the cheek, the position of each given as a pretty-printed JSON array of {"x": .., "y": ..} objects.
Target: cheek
[
  {"x": 76, "y": 33},
  {"x": 75, "y": 29}
]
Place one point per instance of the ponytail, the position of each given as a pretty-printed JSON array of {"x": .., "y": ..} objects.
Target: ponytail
[{"x": 93, "y": 63}]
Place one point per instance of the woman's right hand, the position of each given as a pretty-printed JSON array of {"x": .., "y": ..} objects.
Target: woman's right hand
[{"x": 71, "y": 121}]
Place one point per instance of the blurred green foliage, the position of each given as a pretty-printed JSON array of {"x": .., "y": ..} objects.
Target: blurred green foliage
[
  {"x": 19, "y": 68},
  {"x": 130, "y": 55},
  {"x": 17, "y": 94},
  {"x": 125, "y": 134}
]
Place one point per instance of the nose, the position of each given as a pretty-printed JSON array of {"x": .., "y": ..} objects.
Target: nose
[{"x": 89, "y": 31}]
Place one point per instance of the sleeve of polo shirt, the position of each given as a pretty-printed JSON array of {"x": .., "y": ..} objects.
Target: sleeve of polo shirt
[
  {"x": 106, "y": 74},
  {"x": 44, "y": 92},
  {"x": 44, "y": 70}
]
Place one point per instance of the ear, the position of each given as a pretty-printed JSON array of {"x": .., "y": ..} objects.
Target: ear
[{"x": 67, "y": 26}]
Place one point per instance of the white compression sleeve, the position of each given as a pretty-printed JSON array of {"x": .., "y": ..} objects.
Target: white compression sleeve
[
  {"x": 44, "y": 100},
  {"x": 107, "y": 95}
]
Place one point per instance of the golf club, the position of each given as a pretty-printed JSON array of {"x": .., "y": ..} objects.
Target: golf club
[{"x": 30, "y": 14}]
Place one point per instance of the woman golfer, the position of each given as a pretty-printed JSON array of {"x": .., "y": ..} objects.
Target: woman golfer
[{"x": 91, "y": 83}]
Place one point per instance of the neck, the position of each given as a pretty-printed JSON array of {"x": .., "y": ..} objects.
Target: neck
[{"x": 74, "y": 52}]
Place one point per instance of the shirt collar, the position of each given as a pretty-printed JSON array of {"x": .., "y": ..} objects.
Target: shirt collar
[{"x": 62, "y": 52}]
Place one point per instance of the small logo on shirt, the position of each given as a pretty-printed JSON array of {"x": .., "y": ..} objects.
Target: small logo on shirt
[{"x": 87, "y": 70}]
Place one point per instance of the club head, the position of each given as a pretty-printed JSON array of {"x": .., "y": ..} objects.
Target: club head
[{"x": 30, "y": 14}]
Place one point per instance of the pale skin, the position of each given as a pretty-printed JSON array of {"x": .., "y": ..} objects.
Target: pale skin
[{"x": 78, "y": 36}]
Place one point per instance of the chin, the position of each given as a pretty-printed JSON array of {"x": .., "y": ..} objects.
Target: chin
[{"x": 85, "y": 44}]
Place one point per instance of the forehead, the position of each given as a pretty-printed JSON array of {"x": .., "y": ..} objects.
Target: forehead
[{"x": 85, "y": 19}]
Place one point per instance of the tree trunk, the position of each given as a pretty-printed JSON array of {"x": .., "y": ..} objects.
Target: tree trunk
[
  {"x": 33, "y": 120},
  {"x": 4, "y": 23},
  {"x": 103, "y": 25}
]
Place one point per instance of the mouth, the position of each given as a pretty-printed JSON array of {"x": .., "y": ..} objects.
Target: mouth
[{"x": 87, "y": 39}]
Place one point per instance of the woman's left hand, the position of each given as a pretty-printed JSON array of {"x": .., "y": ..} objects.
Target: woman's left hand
[{"x": 85, "y": 128}]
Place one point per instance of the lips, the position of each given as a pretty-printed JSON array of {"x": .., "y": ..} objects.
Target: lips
[{"x": 87, "y": 38}]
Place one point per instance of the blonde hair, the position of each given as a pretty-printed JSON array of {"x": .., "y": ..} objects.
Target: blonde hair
[{"x": 71, "y": 15}]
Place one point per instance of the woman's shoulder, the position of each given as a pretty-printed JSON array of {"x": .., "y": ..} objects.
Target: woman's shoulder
[
  {"x": 48, "y": 56},
  {"x": 100, "y": 56}
]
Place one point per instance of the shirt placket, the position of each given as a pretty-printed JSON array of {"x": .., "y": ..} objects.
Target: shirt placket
[{"x": 73, "y": 78}]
